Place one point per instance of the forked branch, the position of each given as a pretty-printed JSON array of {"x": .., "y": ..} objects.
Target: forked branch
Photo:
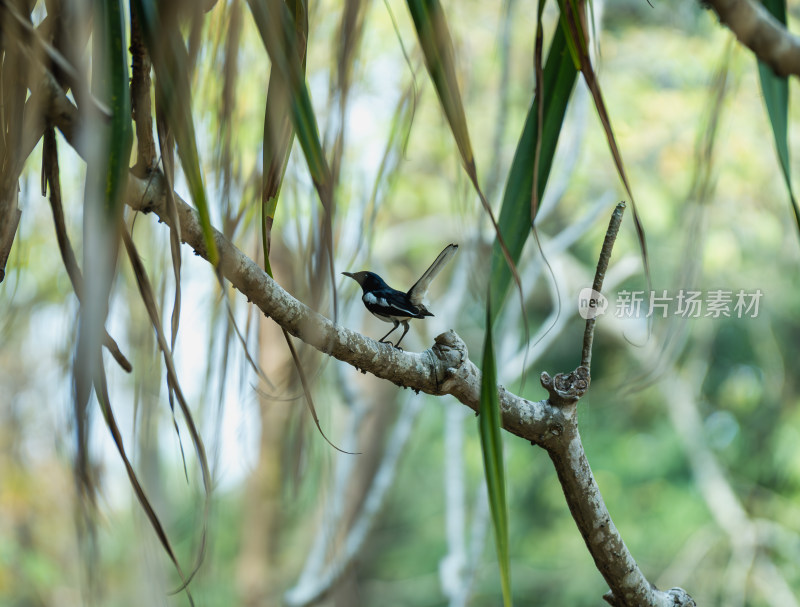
[{"x": 628, "y": 585}]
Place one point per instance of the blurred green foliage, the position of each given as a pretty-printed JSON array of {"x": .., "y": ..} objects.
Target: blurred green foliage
[{"x": 656, "y": 67}]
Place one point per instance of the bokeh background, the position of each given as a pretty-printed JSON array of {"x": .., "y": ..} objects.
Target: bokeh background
[{"x": 691, "y": 426}]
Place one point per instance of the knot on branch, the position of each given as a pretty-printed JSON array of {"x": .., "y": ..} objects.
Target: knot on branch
[
  {"x": 448, "y": 346},
  {"x": 681, "y": 598},
  {"x": 566, "y": 388},
  {"x": 147, "y": 193},
  {"x": 451, "y": 352}
]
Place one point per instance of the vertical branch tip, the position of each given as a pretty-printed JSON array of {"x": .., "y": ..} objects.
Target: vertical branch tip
[{"x": 599, "y": 275}]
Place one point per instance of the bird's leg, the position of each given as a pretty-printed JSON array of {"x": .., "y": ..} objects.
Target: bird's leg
[
  {"x": 396, "y": 324},
  {"x": 405, "y": 325}
]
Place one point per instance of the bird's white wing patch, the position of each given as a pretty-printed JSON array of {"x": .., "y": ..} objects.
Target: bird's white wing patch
[
  {"x": 390, "y": 309},
  {"x": 408, "y": 312}
]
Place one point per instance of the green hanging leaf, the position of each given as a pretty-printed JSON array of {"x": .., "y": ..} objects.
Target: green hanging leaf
[
  {"x": 776, "y": 97},
  {"x": 279, "y": 34},
  {"x": 489, "y": 427},
  {"x": 437, "y": 48},
  {"x": 279, "y": 132},
  {"x": 286, "y": 45},
  {"x": 277, "y": 31},
  {"x": 121, "y": 133},
  {"x": 515, "y": 221}
]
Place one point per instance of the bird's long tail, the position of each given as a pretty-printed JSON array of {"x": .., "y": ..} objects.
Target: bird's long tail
[{"x": 420, "y": 288}]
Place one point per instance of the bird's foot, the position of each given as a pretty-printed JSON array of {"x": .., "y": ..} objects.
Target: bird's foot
[{"x": 386, "y": 341}]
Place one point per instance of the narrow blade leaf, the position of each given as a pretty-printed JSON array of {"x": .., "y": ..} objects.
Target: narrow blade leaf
[
  {"x": 148, "y": 298},
  {"x": 101, "y": 388},
  {"x": 437, "y": 48},
  {"x": 288, "y": 97},
  {"x": 171, "y": 63},
  {"x": 278, "y": 134},
  {"x": 489, "y": 427},
  {"x": 279, "y": 34},
  {"x": 121, "y": 134},
  {"x": 573, "y": 20},
  {"x": 106, "y": 179},
  {"x": 559, "y": 76},
  {"x": 776, "y": 97},
  {"x": 51, "y": 175}
]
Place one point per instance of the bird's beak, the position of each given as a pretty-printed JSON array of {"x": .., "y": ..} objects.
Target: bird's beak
[{"x": 348, "y": 274}]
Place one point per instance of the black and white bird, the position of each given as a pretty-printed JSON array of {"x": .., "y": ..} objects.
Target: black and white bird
[{"x": 396, "y": 307}]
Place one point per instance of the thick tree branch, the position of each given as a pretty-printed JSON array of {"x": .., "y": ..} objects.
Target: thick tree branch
[
  {"x": 759, "y": 31},
  {"x": 443, "y": 369}
]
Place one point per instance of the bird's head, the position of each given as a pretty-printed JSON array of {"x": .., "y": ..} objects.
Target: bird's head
[{"x": 368, "y": 280}]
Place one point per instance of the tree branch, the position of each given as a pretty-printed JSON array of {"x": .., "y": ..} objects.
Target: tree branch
[
  {"x": 759, "y": 31},
  {"x": 599, "y": 276},
  {"x": 444, "y": 368}
]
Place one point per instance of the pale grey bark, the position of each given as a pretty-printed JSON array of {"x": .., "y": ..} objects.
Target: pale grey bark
[{"x": 759, "y": 31}]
